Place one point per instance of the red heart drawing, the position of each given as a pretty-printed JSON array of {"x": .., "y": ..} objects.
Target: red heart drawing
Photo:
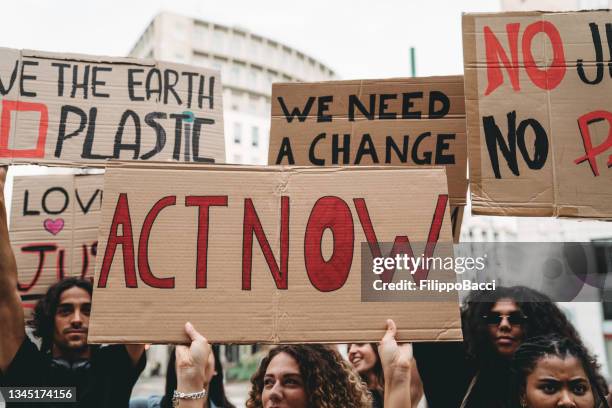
[{"x": 54, "y": 226}]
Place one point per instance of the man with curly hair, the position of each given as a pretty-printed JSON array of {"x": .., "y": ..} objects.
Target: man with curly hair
[{"x": 103, "y": 376}]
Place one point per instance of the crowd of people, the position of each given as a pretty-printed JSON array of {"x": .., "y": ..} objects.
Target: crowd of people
[{"x": 519, "y": 350}]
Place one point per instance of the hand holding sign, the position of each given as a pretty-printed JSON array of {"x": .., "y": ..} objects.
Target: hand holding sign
[
  {"x": 397, "y": 362},
  {"x": 192, "y": 362}
]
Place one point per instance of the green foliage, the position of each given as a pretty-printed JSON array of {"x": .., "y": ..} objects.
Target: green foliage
[{"x": 244, "y": 370}]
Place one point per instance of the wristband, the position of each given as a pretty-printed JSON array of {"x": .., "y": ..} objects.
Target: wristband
[{"x": 190, "y": 395}]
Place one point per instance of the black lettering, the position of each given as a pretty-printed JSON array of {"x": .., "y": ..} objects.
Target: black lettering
[
  {"x": 390, "y": 145},
  {"x": 195, "y": 139},
  {"x": 354, "y": 102},
  {"x": 61, "y": 134},
  {"x": 25, "y": 77},
  {"x": 540, "y": 144},
  {"x": 89, "y": 138},
  {"x": 311, "y": 152},
  {"x": 442, "y": 146},
  {"x": 407, "y": 104},
  {"x": 75, "y": 81},
  {"x": 85, "y": 208},
  {"x": 190, "y": 76},
  {"x": 296, "y": 111},
  {"x": 345, "y": 149},
  {"x": 160, "y": 133},
  {"x": 323, "y": 104},
  {"x": 4, "y": 90},
  {"x": 132, "y": 82},
  {"x": 598, "y": 57},
  {"x": 95, "y": 82},
  {"x": 426, "y": 159},
  {"x": 153, "y": 75},
  {"x": 60, "y": 76},
  {"x": 437, "y": 96},
  {"x": 382, "y": 106},
  {"x": 211, "y": 92},
  {"x": 366, "y": 147},
  {"x": 169, "y": 85},
  {"x": 64, "y": 206},
  {"x": 494, "y": 138},
  {"x": 26, "y": 211},
  {"x": 178, "y": 133},
  {"x": 119, "y": 145},
  {"x": 285, "y": 150}
]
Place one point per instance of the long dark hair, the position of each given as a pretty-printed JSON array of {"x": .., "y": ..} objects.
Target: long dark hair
[
  {"x": 43, "y": 318},
  {"x": 377, "y": 370},
  {"x": 543, "y": 318},
  {"x": 529, "y": 353},
  {"x": 216, "y": 389}
]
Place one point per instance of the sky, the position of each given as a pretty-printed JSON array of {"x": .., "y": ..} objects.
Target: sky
[{"x": 356, "y": 38}]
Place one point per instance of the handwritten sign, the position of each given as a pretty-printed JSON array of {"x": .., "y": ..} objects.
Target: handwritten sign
[
  {"x": 74, "y": 109},
  {"x": 401, "y": 121},
  {"x": 538, "y": 102},
  {"x": 54, "y": 230},
  {"x": 279, "y": 261}
]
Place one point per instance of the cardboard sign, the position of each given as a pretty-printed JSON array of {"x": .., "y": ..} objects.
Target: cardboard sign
[
  {"x": 415, "y": 121},
  {"x": 54, "y": 230},
  {"x": 79, "y": 109},
  {"x": 538, "y": 102},
  {"x": 262, "y": 254}
]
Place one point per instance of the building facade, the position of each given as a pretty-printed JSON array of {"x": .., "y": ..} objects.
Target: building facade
[
  {"x": 249, "y": 64},
  {"x": 553, "y": 5}
]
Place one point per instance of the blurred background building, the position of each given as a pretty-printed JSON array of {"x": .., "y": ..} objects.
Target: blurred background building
[
  {"x": 553, "y": 5},
  {"x": 249, "y": 64}
]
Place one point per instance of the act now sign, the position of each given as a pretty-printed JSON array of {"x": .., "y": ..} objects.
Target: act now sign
[
  {"x": 538, "y": 102},
  {"x": 277, "y": 262}
]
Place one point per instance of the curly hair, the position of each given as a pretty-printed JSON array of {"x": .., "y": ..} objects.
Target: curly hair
[
  {"x": 543, "y": 317},
  {"x": 43, "y": 318},
  {"x": 529, "y": 353},
  {"x": 329, "y": 380}
]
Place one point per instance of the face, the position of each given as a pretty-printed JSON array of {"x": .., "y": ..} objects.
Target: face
[
  {"x": 362, "y": 357},
  {"x": 283, "y": 384},
  {"x": 505, "y": 327},
  {"x": 71, "y": 322},
  {"x": 558, "y": 383}
]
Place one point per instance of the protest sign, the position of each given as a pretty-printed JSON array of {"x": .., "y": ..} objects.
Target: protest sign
[
  {"x": 71, "y": 109},
  {"x": 54, "y": 230},
  {"x": 415, "y": 121},
  {"x": 538, "y": 112},
  {"x": 263, "y": 254}
]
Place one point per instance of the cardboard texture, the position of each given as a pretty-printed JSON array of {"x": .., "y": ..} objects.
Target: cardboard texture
[
  {"x": 538, "y": 98},
  {"x": 54, "y": 230},
  {"x": 176, "y": 246},
  {"x": 72, "y": 110},
  {"x": 414, "y": 121}
]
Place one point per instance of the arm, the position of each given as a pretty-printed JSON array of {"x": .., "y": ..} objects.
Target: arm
[
  {"x": 12, "y": 324},
  {"x": 191, "y": 363},
  {"x": 397, "y": 364}
]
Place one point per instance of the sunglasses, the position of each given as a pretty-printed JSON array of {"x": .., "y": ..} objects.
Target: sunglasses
[{"x": 514, "y": 318}]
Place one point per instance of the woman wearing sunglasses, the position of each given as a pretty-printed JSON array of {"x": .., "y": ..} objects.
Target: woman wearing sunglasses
[
  {"x": 476, "y": 374},
  {"x": 552, "y": 372}
]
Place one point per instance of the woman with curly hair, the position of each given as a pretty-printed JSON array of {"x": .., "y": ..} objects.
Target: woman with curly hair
[
  {"x": 309, "y": 376},
  {"x": 550, "y": 371},
  {"x": 495, "y": 324}
]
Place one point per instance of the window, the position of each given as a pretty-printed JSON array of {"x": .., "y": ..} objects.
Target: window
[
  {"x": 237, "y": 132},
  {"x": 255, "y": 136}
]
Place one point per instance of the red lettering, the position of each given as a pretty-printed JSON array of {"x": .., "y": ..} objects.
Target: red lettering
[
  {"x": 495, "y": 51},
  {"x": 552, "y": 76},
  {"x": 335, "y": 214},
  {"x": 143, "y": 247},
  {"x": 5, "y": 129},
  {"x": 204, "y": 203},
  {"x": 120, "y": 218},
  {"x": 401, "y": 245},
  {"x": 253, "y": 225},
  {"x": 592, "y": 152}
]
